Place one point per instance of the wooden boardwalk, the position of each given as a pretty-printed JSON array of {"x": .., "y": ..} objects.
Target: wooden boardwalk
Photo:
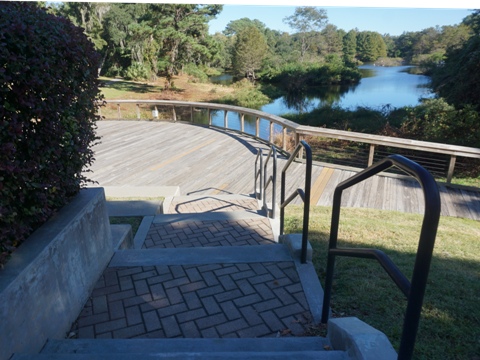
[{"x": 206, "y": 161}]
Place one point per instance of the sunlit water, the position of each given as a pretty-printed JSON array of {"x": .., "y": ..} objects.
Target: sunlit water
[{"x": 380, "y": 88}]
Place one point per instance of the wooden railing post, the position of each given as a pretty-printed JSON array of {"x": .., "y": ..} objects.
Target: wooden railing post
[
  {"x": 284, "y": 139},
  {"x": 209, "y": 117},
  {"x": 242, "y": 122},
  {"x": 225, "y": 119},
  {"x": 174, "y": 114},
  {"x": 451, "y": 167},
  {"x": 138, "y": 111},
  {"x": 119, "y": 112},
  {"x": 257, "y": 127},
  {"x": 191, "y": 114},
  {"x": 270, "y": 136},
  {"x": 371, "y": 154}
]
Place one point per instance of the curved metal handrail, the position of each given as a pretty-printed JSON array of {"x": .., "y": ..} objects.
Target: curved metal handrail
[
  {"x": 272, "y": 179},
  {"x": 303, "y": 193},
  {"x": 258, "y": 174},
  {"x": 414, "y": 290}
]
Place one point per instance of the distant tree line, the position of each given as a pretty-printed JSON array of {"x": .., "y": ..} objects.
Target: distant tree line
[{"x": 143, "y": 41}]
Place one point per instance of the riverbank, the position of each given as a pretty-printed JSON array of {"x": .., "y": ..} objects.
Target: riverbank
[{"x": 184, "y": 88}]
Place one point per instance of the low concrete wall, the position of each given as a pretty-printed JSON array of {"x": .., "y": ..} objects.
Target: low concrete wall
[{"x": 50, "y": 277}]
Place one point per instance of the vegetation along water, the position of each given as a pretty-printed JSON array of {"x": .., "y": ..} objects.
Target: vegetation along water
[{"x": 159, "y": 43}]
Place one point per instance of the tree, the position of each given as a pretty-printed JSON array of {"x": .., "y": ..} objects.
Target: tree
[
  {"x": 458, "y": 78},
  {"x": 180, "y": 30},
  {"x": 370, "y": 46},
  {"x": 350, "y": 47},
  {"x": 88, "y": 15},
  {"x": 236, "y": 26},
  {"x": 306, "y": 21},
  {"x": 250, "y": 49},
  {"x": 332, "y": 40}
]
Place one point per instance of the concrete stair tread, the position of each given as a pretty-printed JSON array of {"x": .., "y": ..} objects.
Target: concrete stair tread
[
  {"x": 304, "y": 355},
  {"x": 201, "y": 255},
  {"x": 223, "y": 345}
]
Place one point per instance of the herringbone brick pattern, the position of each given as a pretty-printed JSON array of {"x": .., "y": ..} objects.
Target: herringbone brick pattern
[
  {"x": 208, "y": 204},
  {"x": 209, "y": 233},
  {"x": 206, "y": 301}
]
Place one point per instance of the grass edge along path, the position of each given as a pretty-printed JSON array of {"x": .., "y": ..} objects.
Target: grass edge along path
[{"x": 450, "y": 322}]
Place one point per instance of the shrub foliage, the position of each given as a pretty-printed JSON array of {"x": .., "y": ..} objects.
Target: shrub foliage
[{"x": 48, "y": 89}]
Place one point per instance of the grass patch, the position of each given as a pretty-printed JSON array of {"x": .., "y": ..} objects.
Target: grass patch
[
  {"x": 450, "y": 323},
  {"x": 134, "y": 221}
]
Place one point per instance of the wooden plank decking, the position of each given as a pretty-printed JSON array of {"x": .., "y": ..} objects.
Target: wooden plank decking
[{"x": 207, "y": 161}]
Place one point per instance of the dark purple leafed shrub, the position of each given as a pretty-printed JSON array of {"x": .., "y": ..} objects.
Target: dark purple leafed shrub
[{"x": 48, "y": 89}]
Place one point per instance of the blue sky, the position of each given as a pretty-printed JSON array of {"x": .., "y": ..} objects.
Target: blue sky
[{"x": 393, "y": 21}]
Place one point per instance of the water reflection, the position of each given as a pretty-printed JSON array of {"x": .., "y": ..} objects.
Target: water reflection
[{"x": 380, "y": 88}]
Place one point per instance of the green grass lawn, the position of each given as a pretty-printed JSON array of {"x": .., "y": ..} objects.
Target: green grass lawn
[{"x": 450, "y": 323}]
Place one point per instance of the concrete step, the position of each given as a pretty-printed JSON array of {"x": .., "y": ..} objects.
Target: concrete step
[
  {"x": 122, "y": 237},
  {"x": 201, "y": 255},
  {"x": 152, "y": 346},
  {"x": 271, "y": 355},
  {"x": 255, "y": 348}
]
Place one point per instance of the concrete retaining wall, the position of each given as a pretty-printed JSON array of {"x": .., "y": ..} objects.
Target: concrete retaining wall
[{"x": 49, "y": 278}]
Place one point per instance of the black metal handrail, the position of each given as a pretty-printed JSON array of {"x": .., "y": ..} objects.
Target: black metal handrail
[
  {"x": 258, "y": 174},
  {"x": 272, "y": 179},
  {"x": 303, "y": 193},
  {"x": 414, "y": 290}
]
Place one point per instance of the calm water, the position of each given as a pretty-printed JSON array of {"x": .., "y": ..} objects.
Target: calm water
[{"x": 379, "y": 87}]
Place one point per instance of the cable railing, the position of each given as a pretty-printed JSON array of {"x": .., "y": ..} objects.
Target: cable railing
[
  {"x": 441, "y": 159},
  {"x": 414, "y": 290},
  {"x": 303, "y": 193}
]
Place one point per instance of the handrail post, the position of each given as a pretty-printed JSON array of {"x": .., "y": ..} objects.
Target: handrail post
[
  {"x": 242, "y": 122},
  {"x": 209, "y": 117},
  {"x": 174, "y": 114},
  {"x": 306, "y": 197},
  {"x": 414, "y": 290},
  {"x": 138, "y": 111},
  {"x": 257, "y": 127},
  {"x": 119, "y": 112},
  {"x": 225, "y": 119}
]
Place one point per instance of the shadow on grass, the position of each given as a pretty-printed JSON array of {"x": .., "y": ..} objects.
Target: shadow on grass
[
  {"x": 128, "y": 86},
  {"x": 450, "y": 321}
]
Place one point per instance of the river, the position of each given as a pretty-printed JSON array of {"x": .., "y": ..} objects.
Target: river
[{"x": 380, "y": 88}]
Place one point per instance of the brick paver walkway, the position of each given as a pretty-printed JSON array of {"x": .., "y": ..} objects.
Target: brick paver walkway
[
  {"x": 209, "y": 233},
  {"x": 229, "y": 300},
  {"x": 226, "y": 298}
]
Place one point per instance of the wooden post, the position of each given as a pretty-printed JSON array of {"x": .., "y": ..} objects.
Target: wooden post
[
  {"x": 242, "y": 123},
  {"x": 451, "y": 167},
  {"x": 225, "y": 119},
  {"x": 119, "y": 112},
  {"x": 191, "y": 114},
  {"x": 138, "y": 111},
  {"x": 257, "y": 127},
  {"x": 371, "y": 154},
  {"x": 209, "y": 117},
  {"x": 174, "y": 114},
  {"x": 270, "y": 136}
]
